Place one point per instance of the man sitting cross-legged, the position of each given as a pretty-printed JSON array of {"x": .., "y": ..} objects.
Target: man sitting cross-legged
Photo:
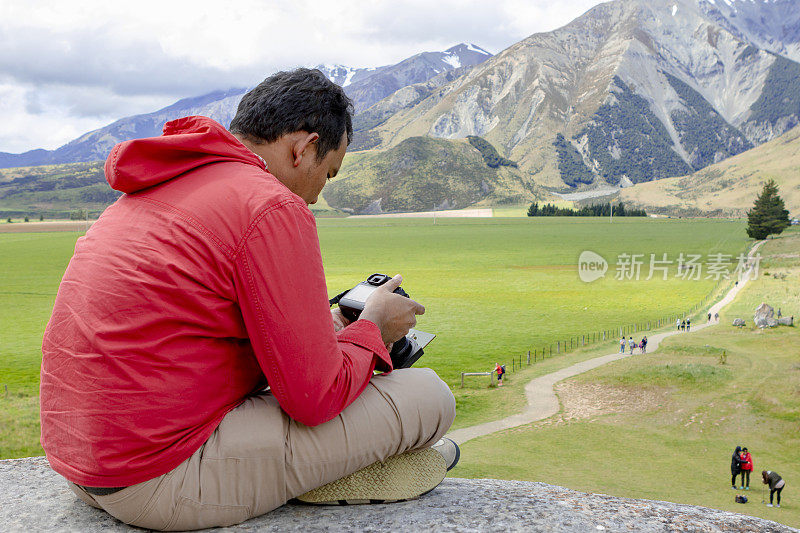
[{"x": 198, "y": 289}]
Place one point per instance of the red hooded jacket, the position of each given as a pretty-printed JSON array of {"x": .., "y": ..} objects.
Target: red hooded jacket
[
  {"x": 747, "y": 461},
  {"x": 199, "y": 286}
]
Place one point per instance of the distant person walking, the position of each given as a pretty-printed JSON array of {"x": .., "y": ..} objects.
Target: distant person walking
[
  {"x": 683, "y": 325},
  {"x": 643, "y": 345},
  {"x": 709, "y": 317},
  {"x": 736, "y": 465},
  {"x": 678, "y": 324},
  {"x": 631, "y": 344},
  {"x": 500, "y": 370},
  {"x": 688, "y": 324},
  {"x": 716, "y": 317},
  {"x": 622, "y": 344},
  {"x": 747, "y": 467},
  {"x": 776, "y": 484}
]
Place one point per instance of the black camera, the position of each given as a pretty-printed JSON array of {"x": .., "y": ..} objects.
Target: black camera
[{"x": 406, "y": 351}]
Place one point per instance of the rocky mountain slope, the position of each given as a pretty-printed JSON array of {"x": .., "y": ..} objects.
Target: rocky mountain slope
[
  {"x": 364, "y": 86},
  {"x": 727, "y": 188},
  {"x": 631, "y": 91},
  {"x": 772, "y": 25}
]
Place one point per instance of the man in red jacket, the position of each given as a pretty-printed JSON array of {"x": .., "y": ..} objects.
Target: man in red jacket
[{"x": 198, "y": 289}]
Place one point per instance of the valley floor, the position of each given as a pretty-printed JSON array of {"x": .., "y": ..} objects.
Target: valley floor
[{"x": 663, "y": 425}]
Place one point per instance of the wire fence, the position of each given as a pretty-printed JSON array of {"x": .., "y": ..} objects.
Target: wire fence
[{"x": 574, "y": 342}]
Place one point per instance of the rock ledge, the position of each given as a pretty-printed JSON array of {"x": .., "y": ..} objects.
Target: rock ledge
[{"x": 34, "y": 498}]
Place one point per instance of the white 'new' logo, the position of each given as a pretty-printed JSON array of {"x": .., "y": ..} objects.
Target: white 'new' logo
[{"x": 591, "y": 266}]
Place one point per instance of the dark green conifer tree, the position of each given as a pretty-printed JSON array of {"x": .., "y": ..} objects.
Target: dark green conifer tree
[{"x": 768, "y": 215}]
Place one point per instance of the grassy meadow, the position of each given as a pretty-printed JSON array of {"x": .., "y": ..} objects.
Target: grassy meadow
[
  {"x": 493, "y": 289},
  {"x": 663, "y": 425}
]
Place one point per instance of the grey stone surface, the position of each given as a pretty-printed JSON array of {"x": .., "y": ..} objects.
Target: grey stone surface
[
  {"x": 34, "y": 498},
  {"x": 764, "y": 316},
  {"x": 738, "y": 322},
  {"x": 786, "y": 321}
]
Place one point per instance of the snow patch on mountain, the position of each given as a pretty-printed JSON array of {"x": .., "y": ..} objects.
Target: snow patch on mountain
[{"x": 452, "y": 60}]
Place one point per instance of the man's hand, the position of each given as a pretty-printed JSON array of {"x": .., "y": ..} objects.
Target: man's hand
[
  {"x": 393, "y": 314},
  {"x": 339, "y": 321}
]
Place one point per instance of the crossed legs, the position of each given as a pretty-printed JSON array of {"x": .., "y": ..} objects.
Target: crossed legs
[{"x": 258, "y": 458}]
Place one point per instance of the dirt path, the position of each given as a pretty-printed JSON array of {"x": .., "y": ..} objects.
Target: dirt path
[{"x": 542, "y": 400}]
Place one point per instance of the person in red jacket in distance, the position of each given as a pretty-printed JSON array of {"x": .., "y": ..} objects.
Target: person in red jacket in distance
[
  {"x": 747, "y": 467},
  {"x": 199, "y": 288}
]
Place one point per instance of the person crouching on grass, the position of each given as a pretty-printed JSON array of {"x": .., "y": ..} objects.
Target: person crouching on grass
[
  {"x": 776, "y": 484},
  {"x": 193, "y": 374}
]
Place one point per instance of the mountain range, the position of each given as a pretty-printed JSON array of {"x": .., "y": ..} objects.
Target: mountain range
[
  {"x": 365, "y": 86},
  {"x": 629, "y": 92}
]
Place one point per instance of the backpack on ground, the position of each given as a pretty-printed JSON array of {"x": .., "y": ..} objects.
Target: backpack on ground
[{"x": 740, "y": 498}]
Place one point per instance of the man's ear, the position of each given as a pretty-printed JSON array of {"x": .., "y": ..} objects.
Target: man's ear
[{"x": 299, "y": 147}]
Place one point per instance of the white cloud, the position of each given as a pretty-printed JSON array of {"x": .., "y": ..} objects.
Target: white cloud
[{"x": 74, "y": 65}]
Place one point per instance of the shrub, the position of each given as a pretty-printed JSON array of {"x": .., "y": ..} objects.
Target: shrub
[{"x": 489, "y": 154}]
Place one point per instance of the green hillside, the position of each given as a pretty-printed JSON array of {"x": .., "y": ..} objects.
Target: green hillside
[
  {"x": 423, "y": 172},
  {"x": 54, "y": 191},
  {"x": 728, "y": 187}
]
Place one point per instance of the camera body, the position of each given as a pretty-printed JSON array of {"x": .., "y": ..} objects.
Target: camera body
[
  {"x": 407, "y": 350},
  {"x": 353, "y": 301}
]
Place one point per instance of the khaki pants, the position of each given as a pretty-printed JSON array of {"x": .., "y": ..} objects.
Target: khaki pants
[{"x": 258, "y": 458}]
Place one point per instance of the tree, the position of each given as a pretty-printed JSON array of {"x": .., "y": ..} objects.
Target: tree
[
  {"x": 533, "y": 210},
  {"x": 768, "y": 215}
]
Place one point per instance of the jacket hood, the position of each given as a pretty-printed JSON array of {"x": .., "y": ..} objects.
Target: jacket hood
[{"x": 186, "y": 143}]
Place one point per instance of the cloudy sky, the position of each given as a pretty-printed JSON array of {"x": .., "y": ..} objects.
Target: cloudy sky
[{"x": 71, "y": 66}]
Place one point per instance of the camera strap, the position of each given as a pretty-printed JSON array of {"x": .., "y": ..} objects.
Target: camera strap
[{"x": 335, "y": 300}]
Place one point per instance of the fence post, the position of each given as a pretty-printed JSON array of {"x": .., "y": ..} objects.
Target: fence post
[
  {"x": 462, "y": 380},
  {"x": 529, "y": 357},
  {"x": 551, "y": 350},
  {"x": 512, "y": 364},
  {"x": 558, "y": 346}
]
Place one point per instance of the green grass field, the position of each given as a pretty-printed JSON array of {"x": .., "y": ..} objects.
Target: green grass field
[
  {"x": 663, "y": 426},
  {"x": 493, "y": 288}
]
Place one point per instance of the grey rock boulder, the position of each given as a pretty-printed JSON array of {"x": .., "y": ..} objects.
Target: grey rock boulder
[
  {"x": 786, "y": 321},
  {"x": 34, "y": 498},
  {"x": 739, "y": 322},
  {"x": 764, "y": 316}
]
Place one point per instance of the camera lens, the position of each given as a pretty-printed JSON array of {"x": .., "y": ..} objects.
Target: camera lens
[{"x": 405, "y": 353}]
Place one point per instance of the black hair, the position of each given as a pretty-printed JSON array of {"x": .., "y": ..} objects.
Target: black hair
[{"x": 297, "y": 100}]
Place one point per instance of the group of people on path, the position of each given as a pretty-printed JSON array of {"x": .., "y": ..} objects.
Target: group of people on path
[
  {"x": 632, "y": 344},
  {"x": 742, "y": 464},
  {"x": 684, "y": 325},
  {"x": 716, "y": 317}
]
